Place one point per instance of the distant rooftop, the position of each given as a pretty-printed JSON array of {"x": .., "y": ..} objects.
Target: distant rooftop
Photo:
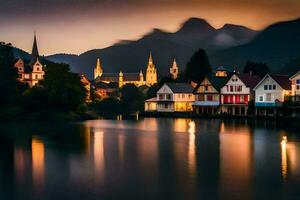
[{"x": 180, "y": 87}]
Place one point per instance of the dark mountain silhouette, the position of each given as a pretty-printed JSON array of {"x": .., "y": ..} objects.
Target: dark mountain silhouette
[
  {"x": 132, "y": 56},
  {"x": 276, "y": 45}
]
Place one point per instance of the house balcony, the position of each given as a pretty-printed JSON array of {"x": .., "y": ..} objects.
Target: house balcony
[
  {"x": 268, "y": 104},
  {"x": 206, "y": 103}
]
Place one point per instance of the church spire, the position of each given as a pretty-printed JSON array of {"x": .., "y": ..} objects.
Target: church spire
[
  {"x": 174, "y": 70},
  {"x": 35, "y": 51},
  {"x": 98, "y": 69},
  {"x": 150, "y": 59}
]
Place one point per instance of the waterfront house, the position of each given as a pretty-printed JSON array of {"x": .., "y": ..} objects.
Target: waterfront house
[
  {"x": 295, "y": 87},
  {"x": 270, "y": 94},
  {"x": 237, "y": 92},
  {"x": 207, "y": 95},
  {"x": 172, "y": 97}
]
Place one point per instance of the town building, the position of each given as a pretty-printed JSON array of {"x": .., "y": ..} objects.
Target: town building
[
  {"x": 122, "y": 78},
  {"x": 174, "y": 70},
  {"x": 172, "y": 97},
  {"x": 221, "y": 72},
  {"x": 87, "y": 85},
  {"x": 295, "y": 87},
  {"x": 30, "y": 73},
  {"x": 237, "y": 92},
  {"x": 207, "y": 95},
  {"x": 270, "y": 94}
]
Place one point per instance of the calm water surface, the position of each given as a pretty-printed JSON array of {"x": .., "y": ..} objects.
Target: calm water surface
[{"x": 149, "y": 159}]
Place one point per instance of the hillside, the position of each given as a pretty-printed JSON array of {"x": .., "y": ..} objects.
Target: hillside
[
  {"x": 276, "y": 45},
  {"x": 131, "y": 56}
]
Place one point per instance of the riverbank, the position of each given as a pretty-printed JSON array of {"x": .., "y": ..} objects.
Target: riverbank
[{"x": 194, "y": 115}]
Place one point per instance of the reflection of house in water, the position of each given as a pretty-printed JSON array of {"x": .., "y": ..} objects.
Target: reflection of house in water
[{"x": 235, "y": 162}]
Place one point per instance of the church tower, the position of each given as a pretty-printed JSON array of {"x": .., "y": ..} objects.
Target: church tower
[
  {"x": 151, "y": 73},
  {"x": 35, "y": 52},
  {"x": 98, "y": 70},
  {"x": 174, "y": 70}
]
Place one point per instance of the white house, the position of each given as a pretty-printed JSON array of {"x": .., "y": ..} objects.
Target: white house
[
  {"x": 295, "y": 86},
  {"x": 270, "y": 93},
  {"x": 172, "y": 97}
]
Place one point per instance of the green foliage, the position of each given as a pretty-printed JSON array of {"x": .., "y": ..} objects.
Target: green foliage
[
  {"x": 260, "y": 69},
  {"x": 10, "y": 88},
  {"x": 64, "y": 88},
  {"x": 132, "y": 99},
  {"x": 198, "y": 67}
]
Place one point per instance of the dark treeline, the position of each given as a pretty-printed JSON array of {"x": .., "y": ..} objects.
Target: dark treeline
[{"x": 60, "y": 95}]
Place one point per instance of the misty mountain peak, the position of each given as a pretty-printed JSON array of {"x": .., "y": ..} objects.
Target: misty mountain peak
[{"x": 195, "y": 25}]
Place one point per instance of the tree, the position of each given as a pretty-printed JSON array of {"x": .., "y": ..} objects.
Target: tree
[
  {"x": 198, "y": 67},
  {"x": 256, "y": 68},
  {"x": 10, "y": 87},
  {"x": 60, "y": 90},
  {"x": 132, "y": 99}
]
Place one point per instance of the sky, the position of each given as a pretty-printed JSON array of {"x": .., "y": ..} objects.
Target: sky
[{"x": 75, "y": 26}]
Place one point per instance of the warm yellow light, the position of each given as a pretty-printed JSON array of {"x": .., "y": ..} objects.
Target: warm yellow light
[
  {"x": 284, "y": 167},
  {"x": 38, "y": 159}
]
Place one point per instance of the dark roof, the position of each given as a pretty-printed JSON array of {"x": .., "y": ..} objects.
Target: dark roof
[
  {"x": 111, "y": 77},
  {"x": 282, "y": 80},
  {"x": 180, "y": 87},
  {"x": 221, "y": 68},
  {"x": 217, "y": 82},
  {"x": 131, "y": 76},
  {"x": 249, "y": 80},
  {"x": 35, "y": 52},
  {"x": 27, "y": 69}
]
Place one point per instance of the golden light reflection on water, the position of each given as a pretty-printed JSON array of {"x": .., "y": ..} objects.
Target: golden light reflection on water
[
  {"x": 192, "y": 149},
  {"x": 284, "y": 164},
  {"x": 38, "y": 162},
  {"x": 98, "y": 154},
  {"x": 181, "y": 125},
  {"x": 235, "y": 158},
  {"x": 121, "y": 143}
]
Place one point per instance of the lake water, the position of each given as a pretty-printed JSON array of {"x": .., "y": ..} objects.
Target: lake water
[{"x": 150, "y": 159}]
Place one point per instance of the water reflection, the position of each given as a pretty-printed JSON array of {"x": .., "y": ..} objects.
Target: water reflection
[
  {"x": 284, "y": 165},
  {"x": 235, "y": 160},
  {"x": 99, "y": 162},
  {"x": 192, "y": 149},
  {"x": 38, "y": 163},
  {"x": 152, "y": 158}
]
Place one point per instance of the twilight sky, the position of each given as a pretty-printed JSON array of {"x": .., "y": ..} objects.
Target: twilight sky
[{"x": 74, "y": 26}]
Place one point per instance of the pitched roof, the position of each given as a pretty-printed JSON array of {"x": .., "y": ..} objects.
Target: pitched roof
[
  {"x": 110, "y": 77},
  {"x": 221, "y": 68},
  {"x": 282, "y": 80},
  {"x": 180, "y": 87},
  {"x": 295, "y": 75},
  {"x": 217, "y": 82},
  {"x": 249, "y": 80},
  {"x": 131, "y": 76},
  {"x": 35, "y": 52}
]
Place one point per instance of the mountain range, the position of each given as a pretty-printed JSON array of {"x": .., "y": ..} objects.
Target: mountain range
[
  {"x": 132, "y": 56},
  {"x": 230, "y": 46}
]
